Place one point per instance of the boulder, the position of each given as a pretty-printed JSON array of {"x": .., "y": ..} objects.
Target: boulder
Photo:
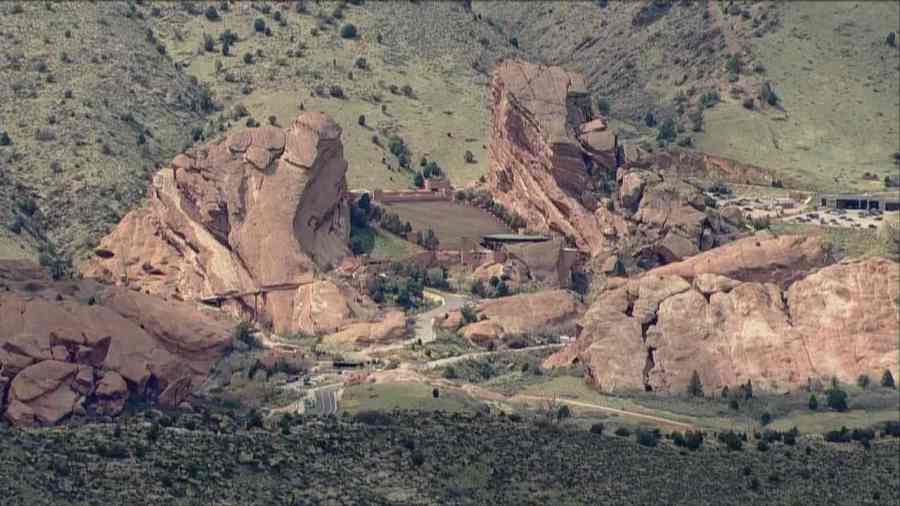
[
  {"x": 392, "y": 328},
  {"x": 527, "y": 313},
  {"x": 112, "y": 394},
  {"x": 43, "y": 393}
]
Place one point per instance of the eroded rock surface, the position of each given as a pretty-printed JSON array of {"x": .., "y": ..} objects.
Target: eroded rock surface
[
  {"x": 64, "y": 343},
  {"x": 655, "y": 331},
  {"x": 248, "y": 222},
  {"x": 507, "y": 317}
]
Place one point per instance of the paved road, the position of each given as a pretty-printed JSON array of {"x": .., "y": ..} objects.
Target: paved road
[
  {"x": 326, "y": 401},
  {"x": 434, "y": 364},
  {"x": 424, "y": 328}
]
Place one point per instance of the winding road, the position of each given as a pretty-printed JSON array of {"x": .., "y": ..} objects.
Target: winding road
[{"x": 434, "y": 364}]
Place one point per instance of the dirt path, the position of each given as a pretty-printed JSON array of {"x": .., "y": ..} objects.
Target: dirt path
[{"x": 607, "y": 409}]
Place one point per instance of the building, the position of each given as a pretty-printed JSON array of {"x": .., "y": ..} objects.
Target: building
[{"x": 884, "y": 201}]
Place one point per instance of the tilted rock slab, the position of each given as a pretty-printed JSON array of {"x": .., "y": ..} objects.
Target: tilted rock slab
[
  {"x": 63, "y": 343},
  {"x": 655, "y": 331},
  {"x": 263, "y": 210}
]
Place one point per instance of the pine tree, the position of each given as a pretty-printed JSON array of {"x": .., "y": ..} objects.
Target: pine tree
[
  {"x": 887, "y": 380},
  {"x": 813, "y": 402},
  {"x": 695, "y": 387}
]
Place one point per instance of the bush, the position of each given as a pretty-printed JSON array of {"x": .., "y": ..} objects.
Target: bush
[
  {"x": 336, "y": 91},
  {"x": 863, "y": 381},
  {"x": 887, "y": 379},
  {"x": 373, "y": 418},
  {"x": 732, "y": 440},
  {"x": 693, "y": 439},
  {"x": 469, "y": 157},
  {"x": 762, "y": 445},
  {"x": 645, "y": 438},
  {"x": 695, "y": 388},
  {"x": 838, "y": 436},
  {"x": 603, "y": 106},
  {"x": 248, "y": 58},
  {"x": 667, "y": 131},
  {"x": 348, "y": 31},
  {"x": 407, "y": 90},
  {"x": 450, "y": 373},
  {"x": 622, "y": 432},
  {"x": 212, "y": 14},
  {"x": 813, "y": 402},
  {"x": 597, "y": 428},
  {"x": 650, "y": 119},
  {"x": 4, "y": 139},
  {"x": 765, "y": 419},
  {"x": 244, "y": 333},
  {"x": 837, "y": 399},
  {"x": 469, "y": 314}
]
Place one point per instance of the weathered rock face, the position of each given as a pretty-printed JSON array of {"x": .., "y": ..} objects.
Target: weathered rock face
[
  {"x": 62, "y": 343},
  {"x": 392, "y": 327},
  {"x": 538, "y": 164},
  {"x": 655, "y": 331},
  {"x": 260, "y": 211},
  {"x": 553, "y": 164},
  {"x": 508, "y": 317}
]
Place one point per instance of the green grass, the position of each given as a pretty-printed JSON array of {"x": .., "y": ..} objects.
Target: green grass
[
  {"x": 839, "y": 84},
  {"x": 848, "y": 242},
  {"x": 450, "y": 222},
  {"x": 818, "y": 422},
  {"x": 388, "y": 245},
  {"x": 403, "y": 396},
  {"x": 445, "y": 99}
]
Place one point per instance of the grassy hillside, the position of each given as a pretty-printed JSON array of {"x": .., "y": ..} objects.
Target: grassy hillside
[
  {"x": 90, "y": 105},
  {"x": 840, "y": 88}
]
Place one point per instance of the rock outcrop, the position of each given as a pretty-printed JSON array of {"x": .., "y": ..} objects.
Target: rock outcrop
[
  {"x": 509, "y": 317},
  {"x": 563, "y": 171},
  {"x": 63, "y": 344},
  {"x": 392, "y": 327},
  {"x": 248, "y": 222},
  {"x": 654, "y": 331},
  {"x": 538, "y": 165}
]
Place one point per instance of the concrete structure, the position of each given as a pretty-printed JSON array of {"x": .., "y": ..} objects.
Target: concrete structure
[
  {"x": 884, "y": 201},
  {"x": 495, "y": 241}
]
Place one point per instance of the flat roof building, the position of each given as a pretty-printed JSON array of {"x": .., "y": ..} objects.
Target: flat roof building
[{"x": 883, "y": 201}]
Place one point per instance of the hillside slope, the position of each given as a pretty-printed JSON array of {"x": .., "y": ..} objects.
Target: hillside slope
[{"x": 90, "y": 104}]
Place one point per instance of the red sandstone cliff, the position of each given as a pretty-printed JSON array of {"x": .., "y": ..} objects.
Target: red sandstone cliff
[
  {"x": 263, "y": 210},
  {"x": 655, "y": 330}
]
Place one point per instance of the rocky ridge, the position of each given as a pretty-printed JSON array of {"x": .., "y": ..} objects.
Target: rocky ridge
[
  {"x": 732, "y": 315},
  {"x": 250, "y": 223}
]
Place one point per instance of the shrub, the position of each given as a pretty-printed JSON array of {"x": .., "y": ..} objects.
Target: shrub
[
  {"x": 836, "y": 399},
  {"x": 765, "y": 419},
  {"x": 407, "y": 90},
  {"x": 863, "y": 381},
  {"x": 838, "y": 436},
  {"x": 336, "y": 91},
  {"x": 887, "y": 379},
  {"x": 733, "y": 64},
  {"x": 248, "y": 58},
  {"x": 891, "y": 39},
  {"x": 212, "y": 14},
  {"x": 650, "y": 119},
  {"x": 209, "y": 45},
  {"x": 693, "y": 439},
  {"x": 348, "y": 31},
  {"x": 732, "y": 440},
  {"x": 4, "y": 139},
  {"x": 469, "y": 157},
  {"x": 695, "y": 388},
  {"x": 469, "y": 314},
  {"x": 622, "y": 432},
  {"x": 645, "y": 438},
  {"x": 44, "y": 134},
  {"x": 450, "y": 373},
  {"x": 813, "y": 402},
  {"x": 667, "y": 131},
  {"x": 603, "y": 106},
  {"x": 597, "y": 428},
  {"x": 244, "y": 333},
  {"x": 762, "y": 445}
]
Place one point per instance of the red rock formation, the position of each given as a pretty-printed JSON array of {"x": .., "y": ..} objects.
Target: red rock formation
[
  {"x": 508, "y": 317},
  {"x": 60, "y": 342},
  {"x": 552, "y": 163},
  {"x": 260, "y": 211},
  {"x": 655, "y": 331},
  {"x": 538, "y": 166}
]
